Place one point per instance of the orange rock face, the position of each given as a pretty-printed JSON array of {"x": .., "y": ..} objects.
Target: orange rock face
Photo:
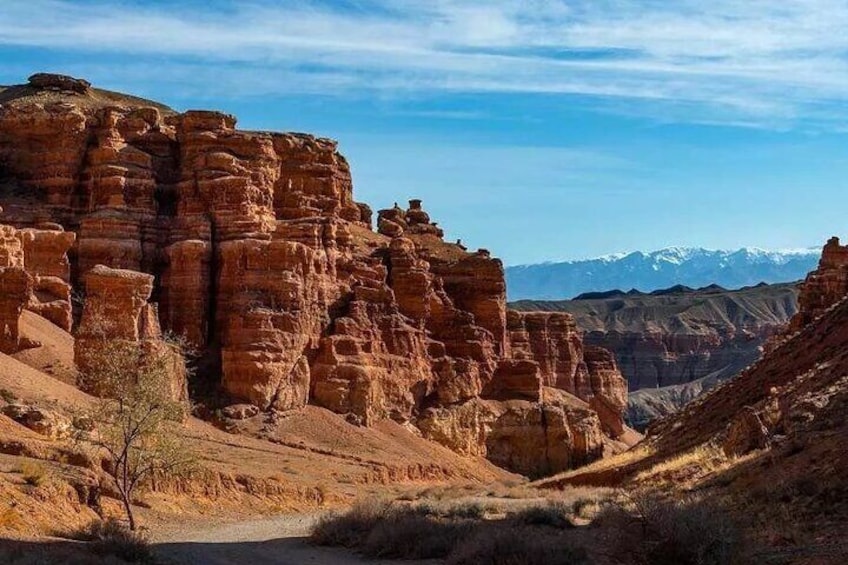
[
  {"x": 257, "y": 253},
  {"x": 823, "y": 287},
  {"x": 35, "y": 271}
]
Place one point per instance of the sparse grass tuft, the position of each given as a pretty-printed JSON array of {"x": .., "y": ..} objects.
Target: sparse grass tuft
[
  {"x": 406, "y": 533},
  {"x": 454, "y": 530},
  {"x": 351, "y": 528},
  {"x": 701, "y": 461}
]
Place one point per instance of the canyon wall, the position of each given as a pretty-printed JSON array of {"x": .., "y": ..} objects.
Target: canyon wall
[
  {"x": 673, "y": 345},
  {"x": 254, "y": 249}
]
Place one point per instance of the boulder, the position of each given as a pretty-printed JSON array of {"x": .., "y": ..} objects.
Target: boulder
[
  {"x": 59, "y": 82},
  {"x": 45, "y": 422}
]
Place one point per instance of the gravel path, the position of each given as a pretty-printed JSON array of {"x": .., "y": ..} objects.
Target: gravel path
[{"x": 280, "y": 540}]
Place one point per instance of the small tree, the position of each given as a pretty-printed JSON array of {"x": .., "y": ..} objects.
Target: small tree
[{"x": 134, "y": 422}]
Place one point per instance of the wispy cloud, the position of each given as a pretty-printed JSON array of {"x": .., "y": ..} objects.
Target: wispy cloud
[{"x": 751, "y": 62}]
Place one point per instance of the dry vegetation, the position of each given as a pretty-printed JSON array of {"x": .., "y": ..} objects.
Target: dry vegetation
[
  {"x": 112, "y": 538},
  {"x": 577, "y": 525}
]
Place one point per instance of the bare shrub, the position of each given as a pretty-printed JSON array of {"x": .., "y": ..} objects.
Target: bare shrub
[
  {"x": 351, "y": 528},
  {"x": 459, "y": 509},
  {"x": 457, "y": 532},
  {"x": 506, "y": 545},
  {"x": 409, "y": 534},
  {"x": 668, "y": 532},
  {"x": 112, "y": 538}
]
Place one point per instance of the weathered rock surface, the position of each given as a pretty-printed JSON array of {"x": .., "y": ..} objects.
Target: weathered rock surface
[
  {"x": 15, "y": 288},
  {"x": 824, "y": 287},
  {"x": 59, "y": 82},
  {"x": 45, "y": 422},
  {"x": 255, "y": 250},
  {"x": 34, "y": 273}
]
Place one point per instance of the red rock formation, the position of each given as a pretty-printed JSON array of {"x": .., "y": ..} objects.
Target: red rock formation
[
  {"x": 257, "y": 253},
  {"x": 15, "y": 288},
  {"x": 608, "y": 396},
  {"x": 824, "y": 287},
  {"x": 552, "y": 340},
  {"x": 46, "y": 258},
  {"x": 35, "y": 273}
]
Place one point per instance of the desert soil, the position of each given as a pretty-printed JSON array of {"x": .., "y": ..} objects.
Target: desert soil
[{"x": 278, "y": 540}]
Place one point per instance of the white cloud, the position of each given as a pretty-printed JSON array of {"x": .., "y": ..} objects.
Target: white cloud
[{"x": 754, "y": 61}]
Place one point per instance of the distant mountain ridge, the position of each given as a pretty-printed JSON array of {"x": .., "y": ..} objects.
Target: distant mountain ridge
[{"x": 646, "y": 272}]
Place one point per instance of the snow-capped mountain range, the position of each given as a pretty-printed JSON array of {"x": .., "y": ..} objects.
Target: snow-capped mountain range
[{"x": 693, "y": 267}]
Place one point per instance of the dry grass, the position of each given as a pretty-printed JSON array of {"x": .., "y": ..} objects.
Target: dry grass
[
  {"x": 33, "y": 473},
  {"x": 689, "y": 466},
  {"x": 10, "y": 519},
  {"x": 461, "y": 530}
]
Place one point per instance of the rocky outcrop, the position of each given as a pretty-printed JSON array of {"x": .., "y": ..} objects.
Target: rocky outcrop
[
  {"x": 534, "y": 438},
  {"x": 15, "y": 288},
  {"x": 823, "y": 287},
  {"x": 254, "y": 249},
  {"x": 34, "y": 273},
  {"x": 552, "y": 340},
  {"x": 59, "y": 82},
  {"x": 46, "y": 259},
  {"x": 42, "y": 421},
  {"x": 394, "y": 222}
]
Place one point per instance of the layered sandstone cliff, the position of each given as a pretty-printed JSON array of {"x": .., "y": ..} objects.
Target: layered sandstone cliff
[{"x": 254, "y": 249}]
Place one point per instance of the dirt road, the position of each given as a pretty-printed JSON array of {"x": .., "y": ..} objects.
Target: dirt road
[{"x": 280, "y": 540}]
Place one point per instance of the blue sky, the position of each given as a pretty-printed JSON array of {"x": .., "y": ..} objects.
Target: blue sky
[{"x": 540, "y": 130}]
